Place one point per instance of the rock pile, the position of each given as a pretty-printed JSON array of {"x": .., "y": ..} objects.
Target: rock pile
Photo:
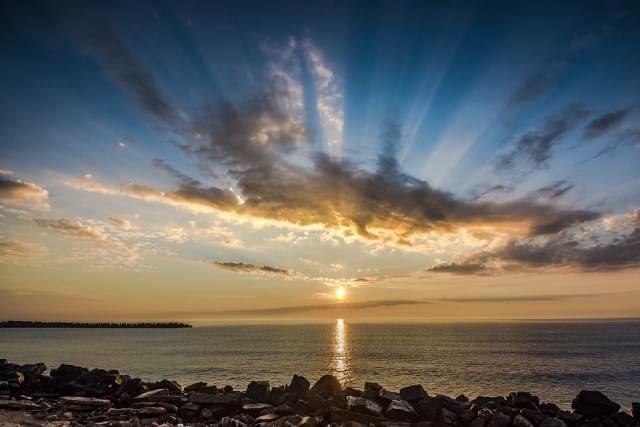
[{"x": 75, "y": 396}]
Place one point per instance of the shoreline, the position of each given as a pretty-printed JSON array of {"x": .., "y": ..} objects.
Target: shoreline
[{"x": 75, "y": 396}]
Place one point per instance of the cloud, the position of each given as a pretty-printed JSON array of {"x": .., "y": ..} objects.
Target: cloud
[
  {"x": 555, "y": 190},
  {"x": 557, "y": 251},
  {"x": 458, "y": 268},
  {"x": 534, "y": 148},
  {"x": 72, "y": 228},
  {"x": 606, "y": 122},
  {"x": 518, "y": 298},
  {"x": 14, "y": 249},
  {"x": 22, "y": 193},
  {"x": 251, "y": 268},
  {"x": 121, "y": 223},
  {"x": 537, "y": 85}
]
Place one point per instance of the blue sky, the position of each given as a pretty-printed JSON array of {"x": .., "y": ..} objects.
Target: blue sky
[{"x": 343, "y": 143}]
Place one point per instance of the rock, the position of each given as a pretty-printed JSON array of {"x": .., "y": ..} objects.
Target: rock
[
  {"x": 326, "y": 386},
  {"x": 552, "y": 422},
  {"x": 571, "y": 418},
  {"x": 428, "y": 409},
  {"x": 86, "y": 401},
  {"x": 284, "y": 409},
  {"x": 299, "y": 421},
  {"x": 172, "y": 386},
  {"x": 500, "y": 419},
  {"x": 299, "y": 386},
  {"x": 362, "y": 405},
  {"x": 394, "y": 424},
  {"x": 385, "y": 396},
  {"x": 152, "y": 394},
  {"x": 489, "y": 402},
  {"x": 258, "y": 391},
  {"x": 212, "y": 399},
  {"x": 521, "y": 421},
  {"x": 400, "y": 410},
  {"x": 130, "y": 386},
  {"x": 413, "y": 393},
  {"x": 635, "y": 410},
  {"x": 195, "y": 387},
  {"x": 255, "y": 409},
  {"x": 448, "y": 417},
  {"x": 342, "y": 417},
  {"x": 535, "y": 417},
  {"x": 463, "y": 399},
  {"x": 479, "y": 422},
  {"x": 228, "y": 389},
  {"x": 523, "y": 399},
  {"x": 168, "y": 406},
  {"x": 18, "y": 405},
  {"x": 593, "y": 404},
  {"x": 206, "y": 413},
  {"x": 551, "y": 409},
  {"x": 33, "y": 370},
  {"x": 350, "y": 391},
  {"x": 267, "y": 418},
  {"x": 452, "y": 404},
  {"x": 623, "y": 419}
]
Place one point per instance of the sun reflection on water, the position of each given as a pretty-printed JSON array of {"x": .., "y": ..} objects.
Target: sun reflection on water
[{"x": 341, "y": 354}]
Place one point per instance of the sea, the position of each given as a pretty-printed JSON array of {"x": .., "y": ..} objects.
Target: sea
[{"x": 552, "y": 359}]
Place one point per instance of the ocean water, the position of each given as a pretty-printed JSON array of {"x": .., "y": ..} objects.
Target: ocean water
[{"x": 554, "y": 360}]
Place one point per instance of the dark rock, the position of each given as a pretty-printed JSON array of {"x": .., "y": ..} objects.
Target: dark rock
[
  {"x": 210, "y": 389},
  {"x": 523, "y": 399},
  {"x": 215, "y": 399},
  {"x": 593, "y": 404},
  {"x": 635, "y": 410},
  {"x": 400, "y": 410},
  {"x": 551, "y": 409},
  {"x": 343, "y": 417},
  {"x": 86, "y": 401},
  {"x": 258, "y": 391},
  {"x": 500, "y": 419},
  {"x": 428, "y": 409},
  {"x": 255, "y": 409},
  {"x": 267, "y": 418},
  {"x": 479, "y": 422},
  {"x": 299, "y": 386},
  {"x": 448, "y": 418},
  {"x": 206, "y": 413},
  {"x": 535, "y": 417},
  {"x": 299, "y": 421},
  {"x": 489, "y": 402},
  {"x": 18, "y": 405},
  {"x": 152, "y": 395},
  {"x": 228, "y": 389},
  {"x": 624, "y": 420},
  {"x": 413, "y": 393},
  {"x": 151, "y": 411},
  {"x": 451, "y": 404},
  {"x": 521, "y": 421},
  {"x": 466, "y": 416},
  {"x": 365, "y": 406},
  {"x": 315, "y": 403},
  {"x": 571, "y": 418},
  {"x": 326, "y": 386},
  {"x": 350, "y": 391},
  {"x": 463, "y": 399},
  {"x": 552, "y": 422},
  {"x": 195, "y": 387},
  {"x": 172, "y": 386},
  {"x": 284, "y": 409},
  {"x": 385, "y": 396},
  {"x": 33, "y": 371},
  {"x": 130, "y": 386},
  {"x": 168, "y": 406}
]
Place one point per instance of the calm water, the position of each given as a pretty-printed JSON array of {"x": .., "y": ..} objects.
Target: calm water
[{"x": 553, "y": 360}]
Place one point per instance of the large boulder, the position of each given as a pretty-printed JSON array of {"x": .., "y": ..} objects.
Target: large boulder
[
  {"x": 258, "y": 391},
  {"x": 400, "y": 410},
  {"x": 521, "y": 421},
  {"x": 593, "y": 404},
  {"x": 523, "y": 399},
  {"x": 298, "y": 386},
  {"x": 362, "y": 405},
  {"x": 413, "y": 393},
  {"x": 428, "y": 409},
  {"x": 451, "y": 404},
  {"x": 326, "y": 386},
  {"x": 500, "y": 419},
  {"x": 385, "y": 396}
]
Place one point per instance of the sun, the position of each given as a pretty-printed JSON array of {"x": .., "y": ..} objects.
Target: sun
[{"x": 341, "y": 293}]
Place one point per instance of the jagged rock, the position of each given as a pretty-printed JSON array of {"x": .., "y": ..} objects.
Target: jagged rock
[
  {"x": 593, "y": 404},
  {"x": 489, "y": 402},
  {"x": 552, "y": 422},
  {"x": 219, "y": 399},
  {"x": 326, "y": 386},
  {"x": 635, "y": 410},
  {"x": 463, "y": 399},
  {"x": 86, "y": 401},
  {"x": 448, "y": 417},
  {"x": 521, "y": 421},
  {"x": 413, "y": 393},
  {"x": 385, "y": 396},
  {"x": 428, "y": 409},
  {"x": 130, "y": 386},
  {"x": 195, "y": 387},
  {"x": 535, "y": 417},
  {"x": 400, "y": 410},
  {"x": 523, "y": 399},
  {"x": 350, "y": 391},
  {"x": 452, "y": 404},
  {"x": 171, "y": 386},
  {"x": 298, "y": 386},
  {"x": 258, "y": 391},
  {"x": 18, "y": 405},
  {"x": 365, "y": 406},
  {"x": 500, "y": 419}
]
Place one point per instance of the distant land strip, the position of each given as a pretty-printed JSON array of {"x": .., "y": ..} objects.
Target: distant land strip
[{"x": 105, "y": 325}]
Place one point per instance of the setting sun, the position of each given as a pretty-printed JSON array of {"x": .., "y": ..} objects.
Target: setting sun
[{"x": 341, "y": 293}]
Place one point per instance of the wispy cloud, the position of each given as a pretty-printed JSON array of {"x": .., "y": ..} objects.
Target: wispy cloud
[
  {"x": 15, "y": 250},
  {"x": 72, "y": 228},
  {"x": 251, "y": 268}
]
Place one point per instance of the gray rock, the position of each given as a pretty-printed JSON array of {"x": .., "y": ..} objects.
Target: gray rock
[
  {"x": 449, "y": 417},
  {"x": 413, "y": 393},
  {"x": 86, "y": 401},
  {"x": 299, "y": 421},
  {"x": 362, "y": 405},
  {"x": 400, "y": 410},
  {"x": 152, "y": 394},
  {"x": 267, "y": 418},
  {"x": 385, "y": 396},
  {"x": 19, "y": 404},
  {"x": 258, "y": 391},
  {"x": 594, "y": 404},
  {"x": 552, "y": 422},
  {"x": 521, "y": 421}
]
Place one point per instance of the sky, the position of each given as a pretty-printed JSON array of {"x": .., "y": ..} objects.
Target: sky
[{"x": 307, "y": 161}]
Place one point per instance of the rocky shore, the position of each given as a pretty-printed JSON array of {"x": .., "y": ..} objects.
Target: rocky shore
[{"x": 75, "y": 396}]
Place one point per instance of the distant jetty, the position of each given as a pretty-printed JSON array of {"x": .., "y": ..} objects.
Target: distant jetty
[{"x": 103, "y": 325}]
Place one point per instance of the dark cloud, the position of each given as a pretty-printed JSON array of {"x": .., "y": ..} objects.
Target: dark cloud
[
  {"x": 557, "y": 251},
  {"x": 71, "y": 228},
  {"x": 537, "y": 85},
  {"x": 251, "y": 268},
  {"x": 534, "y": 148},
  {"x": 124, "y": 67},
  {"x": 624, "y": 138},
  {"x": 27, "y": 194},
  {"x": 492, "y": 189},
  {"x": 604, "y": 123},
  {"x": 458, "y": 268},
  {"x": 173, "y": 172},
  {"x": 555, "y": 190}
]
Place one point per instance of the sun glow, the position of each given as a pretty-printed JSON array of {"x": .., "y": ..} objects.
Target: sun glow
[{"x": 341, "y": 293}]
